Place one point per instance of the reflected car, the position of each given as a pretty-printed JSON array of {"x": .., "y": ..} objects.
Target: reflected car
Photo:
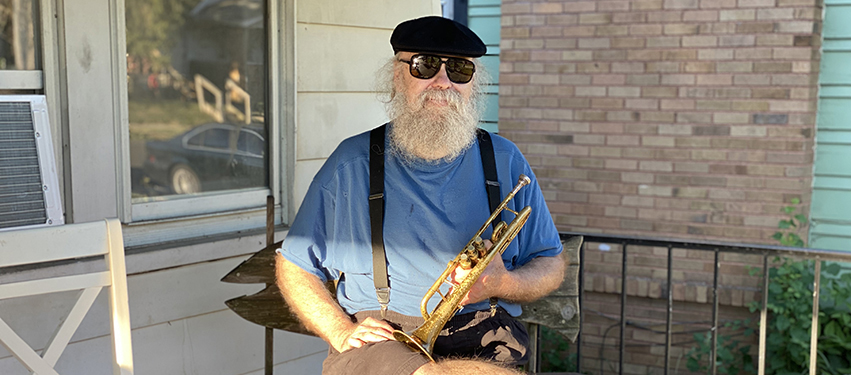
[{"x": 209, "y": 157}]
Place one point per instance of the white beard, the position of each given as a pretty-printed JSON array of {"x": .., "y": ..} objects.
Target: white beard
[{"x": 426, "y": 131}]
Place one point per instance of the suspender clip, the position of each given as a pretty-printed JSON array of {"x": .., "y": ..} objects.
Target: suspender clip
[{"x": 383, "y": 295}]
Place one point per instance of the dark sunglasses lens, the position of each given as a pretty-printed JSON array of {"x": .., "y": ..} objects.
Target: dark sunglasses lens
[
  {"x": 460, "y": 70},
  {"x": 425, "y": 66}
]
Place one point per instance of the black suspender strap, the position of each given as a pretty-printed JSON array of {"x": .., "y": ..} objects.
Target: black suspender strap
[
  {"x": 376, "y": 216},
  {"x": 489, "y": 165},
  {"x": 376, "y": 205}
]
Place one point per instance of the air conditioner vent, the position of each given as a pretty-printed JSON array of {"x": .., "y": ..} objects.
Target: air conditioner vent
[{"x": 28, "y": 183}]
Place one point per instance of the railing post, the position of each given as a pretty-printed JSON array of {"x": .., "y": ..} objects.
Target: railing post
[
  {"x": 623, "y": 310},
  {"x": 714, "y": 354},
  {"x": 763, "y": 317},
  {"x": 269, "y": 336},
  {"x": 581, "y": 303},
  {"x": 668, "y": 326},
  {"x": 534, "y": 348},
  {"x": 814, "y": 327}
]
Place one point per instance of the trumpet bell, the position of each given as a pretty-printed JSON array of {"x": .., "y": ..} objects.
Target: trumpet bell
[{"x": 414, "y": 343}]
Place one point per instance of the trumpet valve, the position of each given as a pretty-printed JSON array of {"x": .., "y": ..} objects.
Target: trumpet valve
[
  {"x": 479, "y": 245},
  {"x": 464, "y": 261}
]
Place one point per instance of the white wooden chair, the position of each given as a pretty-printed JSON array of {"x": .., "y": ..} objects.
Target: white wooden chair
[{"x": 70, "y": 241}]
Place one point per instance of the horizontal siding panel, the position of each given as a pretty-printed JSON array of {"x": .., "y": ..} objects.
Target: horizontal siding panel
[
  {"x": 484, "y": 12},
  {"x": 836, "y": 21},
  {"x": 489, "y": 126},
  {"x": 831, "y": 205},
  {"x": 491, "y": 64},
  {"x": 218, "y": 343},
  {"x": 304, "y": 172},
  {"x": 155, "y": 298},
  {"x": 491, "y": 108},
  {"x": 833, "y": 182},
  {"x": 326, "y": 119},
  {"x": 380, "y": 14},
  {"x": 833, "y": 241},
  {"x": 338, "y": 58},
  {"x": 487, "y": 28},
  {"x": 830, "y": 242},
  {"x": 834, "y": 137},
  {"x": 836, "y": 45},
  {"x": 832, "y": 160},
  {"x": 475, "y": 3},
  {"x": 833, "y": 228},
  {"x": 835, "y": 92},
  {"x": 834, "y": 69},
  {"x": 833, "y": 114}
]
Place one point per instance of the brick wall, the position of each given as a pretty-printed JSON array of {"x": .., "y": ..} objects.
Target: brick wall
[{"x": 667, "y": 118}]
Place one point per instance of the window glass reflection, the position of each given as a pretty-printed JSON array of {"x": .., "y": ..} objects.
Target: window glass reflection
[
  {"x": 195, "y": 84},
  {"x": 19, "y": 48}
]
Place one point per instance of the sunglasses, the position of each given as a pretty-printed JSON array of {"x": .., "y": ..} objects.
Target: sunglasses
[{"x": 425, "y": 66}]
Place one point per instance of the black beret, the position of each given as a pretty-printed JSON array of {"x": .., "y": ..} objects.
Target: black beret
[{"x": 439, "y": 35}]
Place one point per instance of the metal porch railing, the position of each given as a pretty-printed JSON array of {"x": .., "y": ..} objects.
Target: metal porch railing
[{"x": 717, "y": 248}]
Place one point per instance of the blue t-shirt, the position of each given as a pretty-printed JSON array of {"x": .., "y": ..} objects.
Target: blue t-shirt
[{"x": 431, "y": 212}]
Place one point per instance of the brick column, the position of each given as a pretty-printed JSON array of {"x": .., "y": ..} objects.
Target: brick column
[{"x": 671, "y": 118}]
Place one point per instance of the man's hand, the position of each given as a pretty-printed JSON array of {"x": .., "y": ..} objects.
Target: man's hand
[
  {"x": 369, "y": 331},
  {"x": 488, "y": 283},
  {"x": 523, "y": 284}
]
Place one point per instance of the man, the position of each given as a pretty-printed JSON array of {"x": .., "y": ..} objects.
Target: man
[{"x": 435, "y": 199}]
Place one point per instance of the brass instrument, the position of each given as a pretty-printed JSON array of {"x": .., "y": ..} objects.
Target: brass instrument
[{"x": 475, "y": 257}]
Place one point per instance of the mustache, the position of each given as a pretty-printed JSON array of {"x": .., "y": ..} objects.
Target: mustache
[{"x": 452, "y": 97}]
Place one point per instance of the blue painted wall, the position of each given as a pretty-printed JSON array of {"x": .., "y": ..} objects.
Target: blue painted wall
[{"x": 830, "y": 212}]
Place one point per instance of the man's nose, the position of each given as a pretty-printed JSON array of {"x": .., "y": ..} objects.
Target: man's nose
[{"x": 441, "y": 79}]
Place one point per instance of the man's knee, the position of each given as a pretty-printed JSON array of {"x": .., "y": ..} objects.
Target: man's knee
[
  {"x": 463, "y": 367},
  {"x": 381, "y": 358}
]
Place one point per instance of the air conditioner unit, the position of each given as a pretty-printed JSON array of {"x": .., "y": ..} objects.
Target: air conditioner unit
[{"x": 29, "y": 186}]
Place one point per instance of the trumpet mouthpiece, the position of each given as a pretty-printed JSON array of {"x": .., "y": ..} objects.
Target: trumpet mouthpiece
[{"x": 524, "y": 180}]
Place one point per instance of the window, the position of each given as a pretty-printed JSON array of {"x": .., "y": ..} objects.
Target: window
[
  {"x": 197, "y": 74},
  {"x": 20, "y": 47},
  {"x": 19, "y": 35}
]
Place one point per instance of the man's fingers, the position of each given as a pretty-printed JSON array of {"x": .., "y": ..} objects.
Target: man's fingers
[
  {"x": 377, "y": 327},
  {"x": 365, "y": 334}
]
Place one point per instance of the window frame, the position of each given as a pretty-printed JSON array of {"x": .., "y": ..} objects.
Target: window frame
[
  {"x": 217, "y": 212},
  {"x": 45, "y": 81}
]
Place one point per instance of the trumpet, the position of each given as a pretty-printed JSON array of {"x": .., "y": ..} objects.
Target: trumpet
[{"x": 474, "y": 257}]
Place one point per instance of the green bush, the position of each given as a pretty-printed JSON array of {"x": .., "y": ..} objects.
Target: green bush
[
  {"x": 732, "y": 356},
  {"x": 555, "y": 352},
  {"x": 790, "y": 307}
]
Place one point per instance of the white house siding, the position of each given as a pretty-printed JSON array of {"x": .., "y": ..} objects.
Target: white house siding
[
  {"x": 339, "y": 47},
  {"x": 180, "y": 322},
  {"x": 180, "y": 326}
]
